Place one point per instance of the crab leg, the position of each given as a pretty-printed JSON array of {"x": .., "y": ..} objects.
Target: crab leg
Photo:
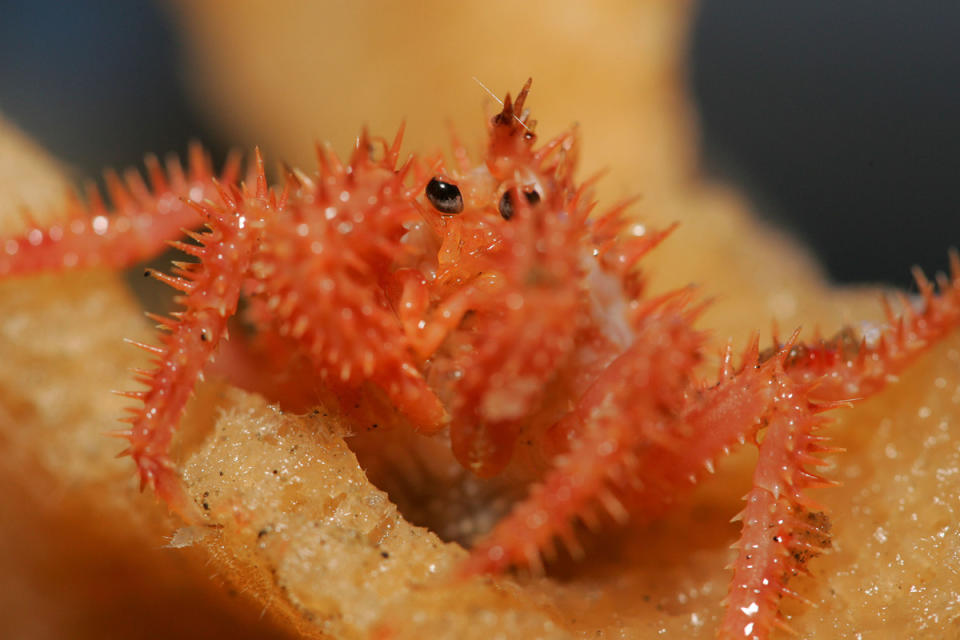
[
  {"x": 425, "y": 336},
  {"x": 143, "y": 221},
  {"x": 267, "y": 364},
  {"x": 319, "y": 297},
  {"x": 211, "y": 290},
  {"x": 847, "y": 367},
  {"x": 782, "y": 528},
  {"x": 636, "y": 402}
]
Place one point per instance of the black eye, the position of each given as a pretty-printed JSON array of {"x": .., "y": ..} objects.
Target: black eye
[
  {"x": 444, "y": 196},
  {"x": 506, "y": 202}
]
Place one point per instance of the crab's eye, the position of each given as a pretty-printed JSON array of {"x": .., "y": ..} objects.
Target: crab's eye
[
  {"x": 444, "y": 196},
  {"x": 506, "y": 202}
]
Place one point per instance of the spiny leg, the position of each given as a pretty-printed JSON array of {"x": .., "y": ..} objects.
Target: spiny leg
[
  {"x": 630, "y": 451},
  {"x": 323, "y": 302},
  {"x": 318, "y": 272},
  {"x": 849, "y": 366},
  {"x": 142, "y": 220},
  {"x": 625, "y": 450},
  {"x": 635, "y": 403},
  {"x": 509, "y": 360},
  {"x": 261, "y": 361},
  {"x": 211, "y": 290},
  {"x": 782, "y": 528}
]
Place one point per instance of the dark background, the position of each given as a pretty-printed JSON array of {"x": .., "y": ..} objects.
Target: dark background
[{"x": 840, "y": 118}]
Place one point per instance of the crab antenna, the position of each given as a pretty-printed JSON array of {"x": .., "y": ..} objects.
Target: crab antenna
[{"x": 521, "y": 97}]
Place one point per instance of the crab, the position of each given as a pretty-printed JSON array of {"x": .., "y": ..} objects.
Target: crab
[{"x": 484, "y": 303}]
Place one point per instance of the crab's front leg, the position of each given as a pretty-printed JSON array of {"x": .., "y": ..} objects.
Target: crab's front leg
[
  {"x": 319, "y": 291},
  {"x": 424, "y": 334},
  {"x": 211, "y": 290}
]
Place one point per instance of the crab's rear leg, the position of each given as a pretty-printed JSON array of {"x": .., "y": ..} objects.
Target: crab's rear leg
[
  {"x": 211, "y": 289},
  {"x": 782, "y": 528},
  {"x": 851, "y": 366},
  {"x": 142, "y": 221}
]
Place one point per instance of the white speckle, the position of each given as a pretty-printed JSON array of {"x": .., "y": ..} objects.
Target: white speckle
[
  {"x": 35, "y": 237},
  {"x": 924, "y": 412},
  {"x": 605, "y": 448},
  {"x": 943, "y": 474},
  {"x": 890, "y": 451},
  {"x": 537, "y": 520},
  {"x": 187, "y": 536},
  {"x": 638, "y": 230},
  {"x": 344, "y": 196},
  {"x": 880, "y": 535},
  {"x": 330, "y": 213},
  {"x": 100, "y": 224},
  {"x": 11, "y": 247},
  {"x": 871, "y": 333},
  {"x": 514, "y": 301}
]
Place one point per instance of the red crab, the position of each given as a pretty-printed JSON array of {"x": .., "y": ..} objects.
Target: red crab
[{"x": 485, "y": 302}]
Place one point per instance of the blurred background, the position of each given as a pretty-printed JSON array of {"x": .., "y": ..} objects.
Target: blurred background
[{"x": 841, "y": 120}]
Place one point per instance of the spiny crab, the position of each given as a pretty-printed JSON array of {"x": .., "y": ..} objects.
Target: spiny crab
[{"x": 486, "y": 303}]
